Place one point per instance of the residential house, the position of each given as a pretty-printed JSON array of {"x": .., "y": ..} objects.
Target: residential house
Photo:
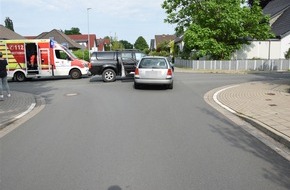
[
  {"x": 279, "y": 12},
  {"x": 159, "y": 39},
  {"x": 7, "y": 34},
  {"x": 103, "y": 43},
  {"x": 95, "y": 44},
  {"x": 179, "y": 43},
  {"x": 61, "y": 38},
  {"x": 83, "y": 40}
]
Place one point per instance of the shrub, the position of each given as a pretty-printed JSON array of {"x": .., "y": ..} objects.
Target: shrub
[
  {"x": 82, "y": 54},
  {"x": 287, "y": 54}
]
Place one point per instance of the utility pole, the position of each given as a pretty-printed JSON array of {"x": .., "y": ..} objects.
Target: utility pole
[{"x": 88, "y": 46}]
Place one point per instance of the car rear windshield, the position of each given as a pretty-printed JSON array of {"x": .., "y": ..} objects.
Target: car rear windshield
[{"x": 156, "y": 63}]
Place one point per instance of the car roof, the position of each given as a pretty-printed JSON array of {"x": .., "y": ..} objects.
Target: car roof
[{"x": 154, "y": 57}]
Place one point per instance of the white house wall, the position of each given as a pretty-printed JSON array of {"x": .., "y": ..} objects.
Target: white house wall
[
  {"x": 270, "y": 49},
  {"x": 285, "y": 45}
]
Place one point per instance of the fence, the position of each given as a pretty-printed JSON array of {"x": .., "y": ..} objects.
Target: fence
[{"x": 235, "y": 65}]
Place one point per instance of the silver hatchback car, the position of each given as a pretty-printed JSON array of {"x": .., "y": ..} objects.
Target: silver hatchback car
[{"x": 153, "y": 70}]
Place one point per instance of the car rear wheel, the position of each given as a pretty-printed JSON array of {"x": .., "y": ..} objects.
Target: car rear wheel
[{"x": 109, "y": 75}]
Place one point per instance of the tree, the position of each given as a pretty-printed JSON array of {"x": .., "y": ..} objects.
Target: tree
[
  {"x": 163, "y": 46},
  {"x": 126, "y": 44},
  {"x": 262, "y": 3},
  {"x": 217, "y": 28},
  {"x": 73, "y": 30},
  {"x": 107, "y": 47},
  {"x": 141, "y": 43},
  {"x": 9, "y": 23},
  {"x": 115, "y": 44},
  {"x": 163, "y": 49},
  {"x": 287, "y": 54}
]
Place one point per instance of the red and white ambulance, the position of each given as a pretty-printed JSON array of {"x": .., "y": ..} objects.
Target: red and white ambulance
[{"x": 41, "y": 58}]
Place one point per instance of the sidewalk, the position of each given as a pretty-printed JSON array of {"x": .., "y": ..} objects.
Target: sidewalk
[
  {"x": 15, "y": 107},
  {"x": 266, "y": 105}
]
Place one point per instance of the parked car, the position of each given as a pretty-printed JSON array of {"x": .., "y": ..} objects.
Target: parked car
[
  {"x": 110, "y": 64},
  {"x": 153, "y": 70}
]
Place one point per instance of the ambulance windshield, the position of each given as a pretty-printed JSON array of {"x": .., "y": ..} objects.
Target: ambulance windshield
[{"x": 70, "y": 53}]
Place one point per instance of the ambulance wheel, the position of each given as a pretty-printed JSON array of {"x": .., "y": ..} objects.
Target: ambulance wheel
[
  {"x": 109, "y": 75},
  {"x": 19, "y": 76},
  {"x": 75, "y": 74}
]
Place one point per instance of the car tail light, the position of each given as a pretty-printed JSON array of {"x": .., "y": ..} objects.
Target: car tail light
[
  {"x": 136, "y": 71},
  {"x": 90, "y": 65},
  {"x": 169, "y": 72}
]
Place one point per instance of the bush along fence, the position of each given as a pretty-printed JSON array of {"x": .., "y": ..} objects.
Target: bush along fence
[{"x": 235, "y": 65}]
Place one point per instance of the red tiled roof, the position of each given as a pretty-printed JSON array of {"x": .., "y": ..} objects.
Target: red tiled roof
[
  {"x": 102, "y": 43},
  {"x": 84, "y": 38}
]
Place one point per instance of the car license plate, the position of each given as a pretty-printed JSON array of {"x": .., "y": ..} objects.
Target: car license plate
[{"x": 152, "y": 74}]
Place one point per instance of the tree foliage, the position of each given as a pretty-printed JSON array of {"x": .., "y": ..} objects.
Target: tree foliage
[
  {"x": 115, "y": 44},
  {"x": 163, "y": 46},
  {"x": 217, "y": 28},
  {"x": 107, "y": 47},
  {"x": 126, "y": 44},
  {"x": 9, "y": 23},
  {"x": 141, "y": 44},
  {"x": 82, "y": 54},
  {"x": 163, "y": 49},
  {"x": 287, "y": 54},
  {"x": 72, "y": 31}
]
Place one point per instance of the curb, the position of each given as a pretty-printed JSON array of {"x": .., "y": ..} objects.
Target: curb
[
  {"x": 268, "y": 130},
  {"x": 278, "y": 142},
  {"x": 11, "y": 120},
  {"x": 280, "y": 137},
  {"x": 39, "y": 101}
]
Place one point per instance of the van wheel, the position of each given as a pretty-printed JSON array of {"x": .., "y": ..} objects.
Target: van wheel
[
  {"x": 109, "y": 75},
  {"x": 75, "y": 74},
  {"x": 19, "y": 76}
]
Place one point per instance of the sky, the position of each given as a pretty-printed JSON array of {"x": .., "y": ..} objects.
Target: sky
[{"x": 125, "y": 19}]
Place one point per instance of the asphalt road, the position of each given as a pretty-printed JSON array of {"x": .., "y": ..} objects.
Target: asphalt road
[{"x": 108, "y": 136}]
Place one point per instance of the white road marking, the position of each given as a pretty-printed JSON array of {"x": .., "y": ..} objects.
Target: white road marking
[
  {"x": 27, "y": 111},
  {"x": 219, "y": 103}
]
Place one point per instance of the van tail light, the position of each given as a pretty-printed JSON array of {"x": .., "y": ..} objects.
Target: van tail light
[{"x": 169, "y": 72}]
